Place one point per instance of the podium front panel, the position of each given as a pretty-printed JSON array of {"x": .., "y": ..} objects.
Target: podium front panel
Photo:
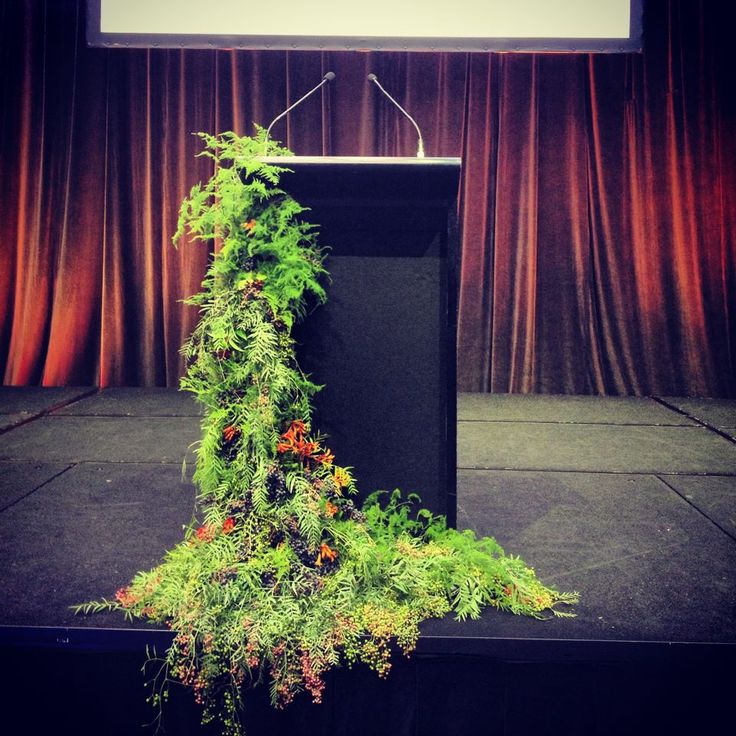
[{"x": 384, "y": 344}]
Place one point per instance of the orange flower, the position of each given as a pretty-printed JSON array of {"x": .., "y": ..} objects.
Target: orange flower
[
  {"x": 298, "y": 426},
  {"x": 249, "y": 226},
  {"x": 290, "y": 438},
  {"x": 331, "y": 509},
  {"x": 326, "y": 458},
  {"x": 230, "y": 432},
  {"x": 228, "y": 525},
  {"x": 293, "y": 441},
  {"x": 305, "y": 449},
  {"x": 325, "y": 553}
]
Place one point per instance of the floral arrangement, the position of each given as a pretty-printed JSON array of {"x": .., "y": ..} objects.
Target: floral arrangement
[{"x": 284, "y": 577}]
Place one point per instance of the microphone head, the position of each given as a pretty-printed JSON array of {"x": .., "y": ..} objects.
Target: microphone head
[
  {"x": 372, "y": 78},
  {"x": 329, "y": 76}
]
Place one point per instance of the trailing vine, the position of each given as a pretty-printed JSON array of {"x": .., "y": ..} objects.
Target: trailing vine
[{"x": 284, "y": 576}]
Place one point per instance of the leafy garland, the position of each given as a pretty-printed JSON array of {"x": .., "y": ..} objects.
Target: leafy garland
[{"x": 286, "y": 577}]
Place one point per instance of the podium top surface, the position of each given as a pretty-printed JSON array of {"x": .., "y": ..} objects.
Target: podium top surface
[
  {"x": 435, "y": 162},
  {"x": 349, "y": 179}
]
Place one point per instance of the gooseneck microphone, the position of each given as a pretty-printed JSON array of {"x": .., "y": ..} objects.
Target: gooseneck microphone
[
  {"x": 420, "y": 146},
  {"x": 327, "y": 78}
]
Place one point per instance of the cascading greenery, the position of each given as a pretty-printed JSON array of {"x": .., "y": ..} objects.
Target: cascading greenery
[{"x": 284, "y": 576}]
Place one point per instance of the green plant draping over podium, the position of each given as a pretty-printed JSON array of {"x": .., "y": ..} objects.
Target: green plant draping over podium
[{"x": 285, "y": 577}]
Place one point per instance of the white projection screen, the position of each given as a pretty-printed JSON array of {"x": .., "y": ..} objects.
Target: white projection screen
[{"x": 389, "y": 25}]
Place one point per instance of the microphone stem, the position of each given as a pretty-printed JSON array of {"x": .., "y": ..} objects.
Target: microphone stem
[
  {"x": 288, "y": 110},
  {"x": 420, "y": 146}
]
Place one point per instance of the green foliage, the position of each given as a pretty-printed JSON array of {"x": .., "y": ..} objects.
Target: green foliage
[{"x": 284, "y": 577}]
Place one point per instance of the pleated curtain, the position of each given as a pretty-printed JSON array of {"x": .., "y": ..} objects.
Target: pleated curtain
[{"x": 597, "y": 199}]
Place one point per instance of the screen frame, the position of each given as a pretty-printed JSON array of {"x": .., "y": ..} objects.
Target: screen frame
[{"x": 632, "y": 44}]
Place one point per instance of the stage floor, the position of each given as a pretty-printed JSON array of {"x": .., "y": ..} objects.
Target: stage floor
[{"x": 630, "y": 501}]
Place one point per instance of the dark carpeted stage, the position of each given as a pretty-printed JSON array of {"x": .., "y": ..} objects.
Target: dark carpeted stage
[{"x": 632, "y": 502}]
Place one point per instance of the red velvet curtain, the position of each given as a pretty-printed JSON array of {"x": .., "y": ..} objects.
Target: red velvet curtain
[{"x": 598, "y": 197}]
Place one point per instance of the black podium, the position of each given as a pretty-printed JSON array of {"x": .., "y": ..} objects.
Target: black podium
[{"x": 384, "y": 344}]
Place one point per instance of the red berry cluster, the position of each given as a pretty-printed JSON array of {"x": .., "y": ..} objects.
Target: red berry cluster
[
  {"x": 126, "y": 598},
  {"x": 228, "y": 525},
  {"x": 205, "y": 533},
  {"x": 311, "y": 676},
  {"x": 238, "y": 674},
  {"x": 200, "y": 689},
  {"x": 252, "y": 660}
]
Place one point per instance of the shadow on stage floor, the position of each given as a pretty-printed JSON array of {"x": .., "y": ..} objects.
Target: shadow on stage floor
[{"x": 630, "y": 501}]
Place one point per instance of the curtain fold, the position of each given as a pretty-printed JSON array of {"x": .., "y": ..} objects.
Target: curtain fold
[{"x": 597, "y": 199}]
